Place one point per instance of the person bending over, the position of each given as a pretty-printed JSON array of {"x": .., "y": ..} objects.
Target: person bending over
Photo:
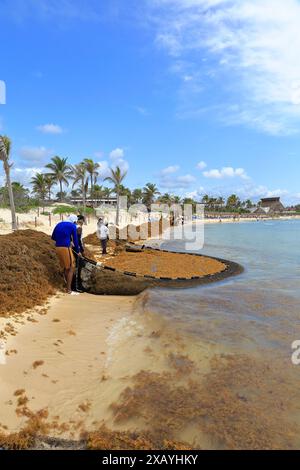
[{"x": 65, "y": 235}]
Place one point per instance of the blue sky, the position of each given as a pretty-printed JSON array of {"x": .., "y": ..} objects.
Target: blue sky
[{"x": 198, "y": 96}]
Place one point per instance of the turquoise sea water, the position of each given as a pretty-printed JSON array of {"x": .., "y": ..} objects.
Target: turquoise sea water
[
  {"x": 263, "y": 303},
  {"x": 238, "y": 334}
]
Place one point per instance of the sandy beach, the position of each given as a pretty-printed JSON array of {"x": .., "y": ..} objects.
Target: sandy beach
[
  {"x": 33, "y": 221},
  {"x": 68, "y": 369},
  {"x": 61, "y": 362}
]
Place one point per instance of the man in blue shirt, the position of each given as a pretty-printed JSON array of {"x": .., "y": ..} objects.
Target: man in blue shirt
[{"x": 65, "y": 235}]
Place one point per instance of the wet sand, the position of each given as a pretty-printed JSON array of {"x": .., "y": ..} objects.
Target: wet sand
[
  {"x": 72, "y": 366},
  {"x": 60, "y": 361}
]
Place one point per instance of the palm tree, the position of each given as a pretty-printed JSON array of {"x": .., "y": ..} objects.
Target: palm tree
[
  {"x": 176, "y": 199},
  {"x": 97, "y": 191},
  {"x": 166, "y": 199},
  {"x": 149, "y": 193},
  {"x": 116, "y": 178},
  {"x": 233, "y": 202},
  {"x": 49, "y": 183},
  {"x": 188, "y": 200},
  {"x": 61, "y": 195},
  {"x": 137, "y": 196},
  {"x": 40, "y": 187},
  {"x": 92, "y": 168},
  {"x": 21, "y": 194},
  {"x": 249, "y": 204},
  {"x": 79, "y": 175},
  {"x": 107, "y": 192},
  {"x": 60, "y": 172},
  {"x": 75, "y": 193},
  {"x": 205, "y": 199},
  {"x": 220, "y": 202},
  {"x": 5, "y": 146}
]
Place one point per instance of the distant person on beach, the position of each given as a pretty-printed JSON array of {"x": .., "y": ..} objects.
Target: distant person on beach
[
  {"x": 65, "y": 237},
  {"x": 103, "y": 235},
  {"x": 80, "y": 222}
]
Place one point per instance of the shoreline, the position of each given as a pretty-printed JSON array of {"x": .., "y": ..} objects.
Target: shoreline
[
  {"x": 51, "y": 356},
  {"x": 27, "y": 221},
  {"x": 230, "y": 220},
  {"x": 70, "y": 371}
]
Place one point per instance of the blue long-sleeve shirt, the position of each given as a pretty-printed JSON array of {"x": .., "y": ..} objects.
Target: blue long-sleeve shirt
[{"x": 64, "y": 234}]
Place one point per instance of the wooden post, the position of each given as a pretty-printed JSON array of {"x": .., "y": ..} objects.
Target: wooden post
[
  {"x": 17, "y": 222},
  {"x": 50, "y": 220},
  {"x": 38, "y": 211},
  {"x": 35, "y": 222}
]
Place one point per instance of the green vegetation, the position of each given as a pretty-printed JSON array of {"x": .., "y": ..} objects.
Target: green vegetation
[{"x": 62, "y": 210}]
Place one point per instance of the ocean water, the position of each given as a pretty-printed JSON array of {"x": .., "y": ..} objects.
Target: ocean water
[
  {"x": 228, "y": 344},
  {"x": 262, "y": 304}
]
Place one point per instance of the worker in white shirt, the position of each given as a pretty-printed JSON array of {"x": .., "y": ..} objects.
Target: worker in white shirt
[{"x": 103, "y": 235}]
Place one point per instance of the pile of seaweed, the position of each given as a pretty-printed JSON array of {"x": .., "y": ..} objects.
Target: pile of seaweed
[
  {"x": 164, "y": 264},
  {"x": 132, "y": 233},
  {"x": 30, "y": 272},
  {"x": 34, "y": 435}
]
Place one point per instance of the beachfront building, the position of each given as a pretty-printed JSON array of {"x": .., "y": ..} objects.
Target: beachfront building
[
  {"x": 272, "y": 204},
  {"x": 95, "y": 202},
  {"x": 269, "y": 206}
]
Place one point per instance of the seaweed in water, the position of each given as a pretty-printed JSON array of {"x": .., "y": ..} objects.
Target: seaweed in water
[{"x": 237, "y": 405}]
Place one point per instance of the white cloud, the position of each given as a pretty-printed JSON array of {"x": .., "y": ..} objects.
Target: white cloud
[
  {"x": 187, "y": 179},
  {"x": 50, "y": 129},
  {"x": 35, "y": 155},
  {"x": 169, "y": 182},
  {"x": 255, "y": 192},
  {"x": 201, "y": 165},
  {"x": 252, "y": 48},
  {"x": 197, "y": 194},
  {"x": 24, "y": 175},
  {"x": 117, "y": 153},
  {"x": 277, "y": 193},
  {"x": 170, "y": 169},
  {"x": 104, "y": 169},
  {"x": 123, "y": 164},
  {"x": 116, "y": 159},
  {"x": 226, "y": 172}
]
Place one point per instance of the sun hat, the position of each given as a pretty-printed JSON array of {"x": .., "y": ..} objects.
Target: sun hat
[{"x": 72, "y": 218}]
